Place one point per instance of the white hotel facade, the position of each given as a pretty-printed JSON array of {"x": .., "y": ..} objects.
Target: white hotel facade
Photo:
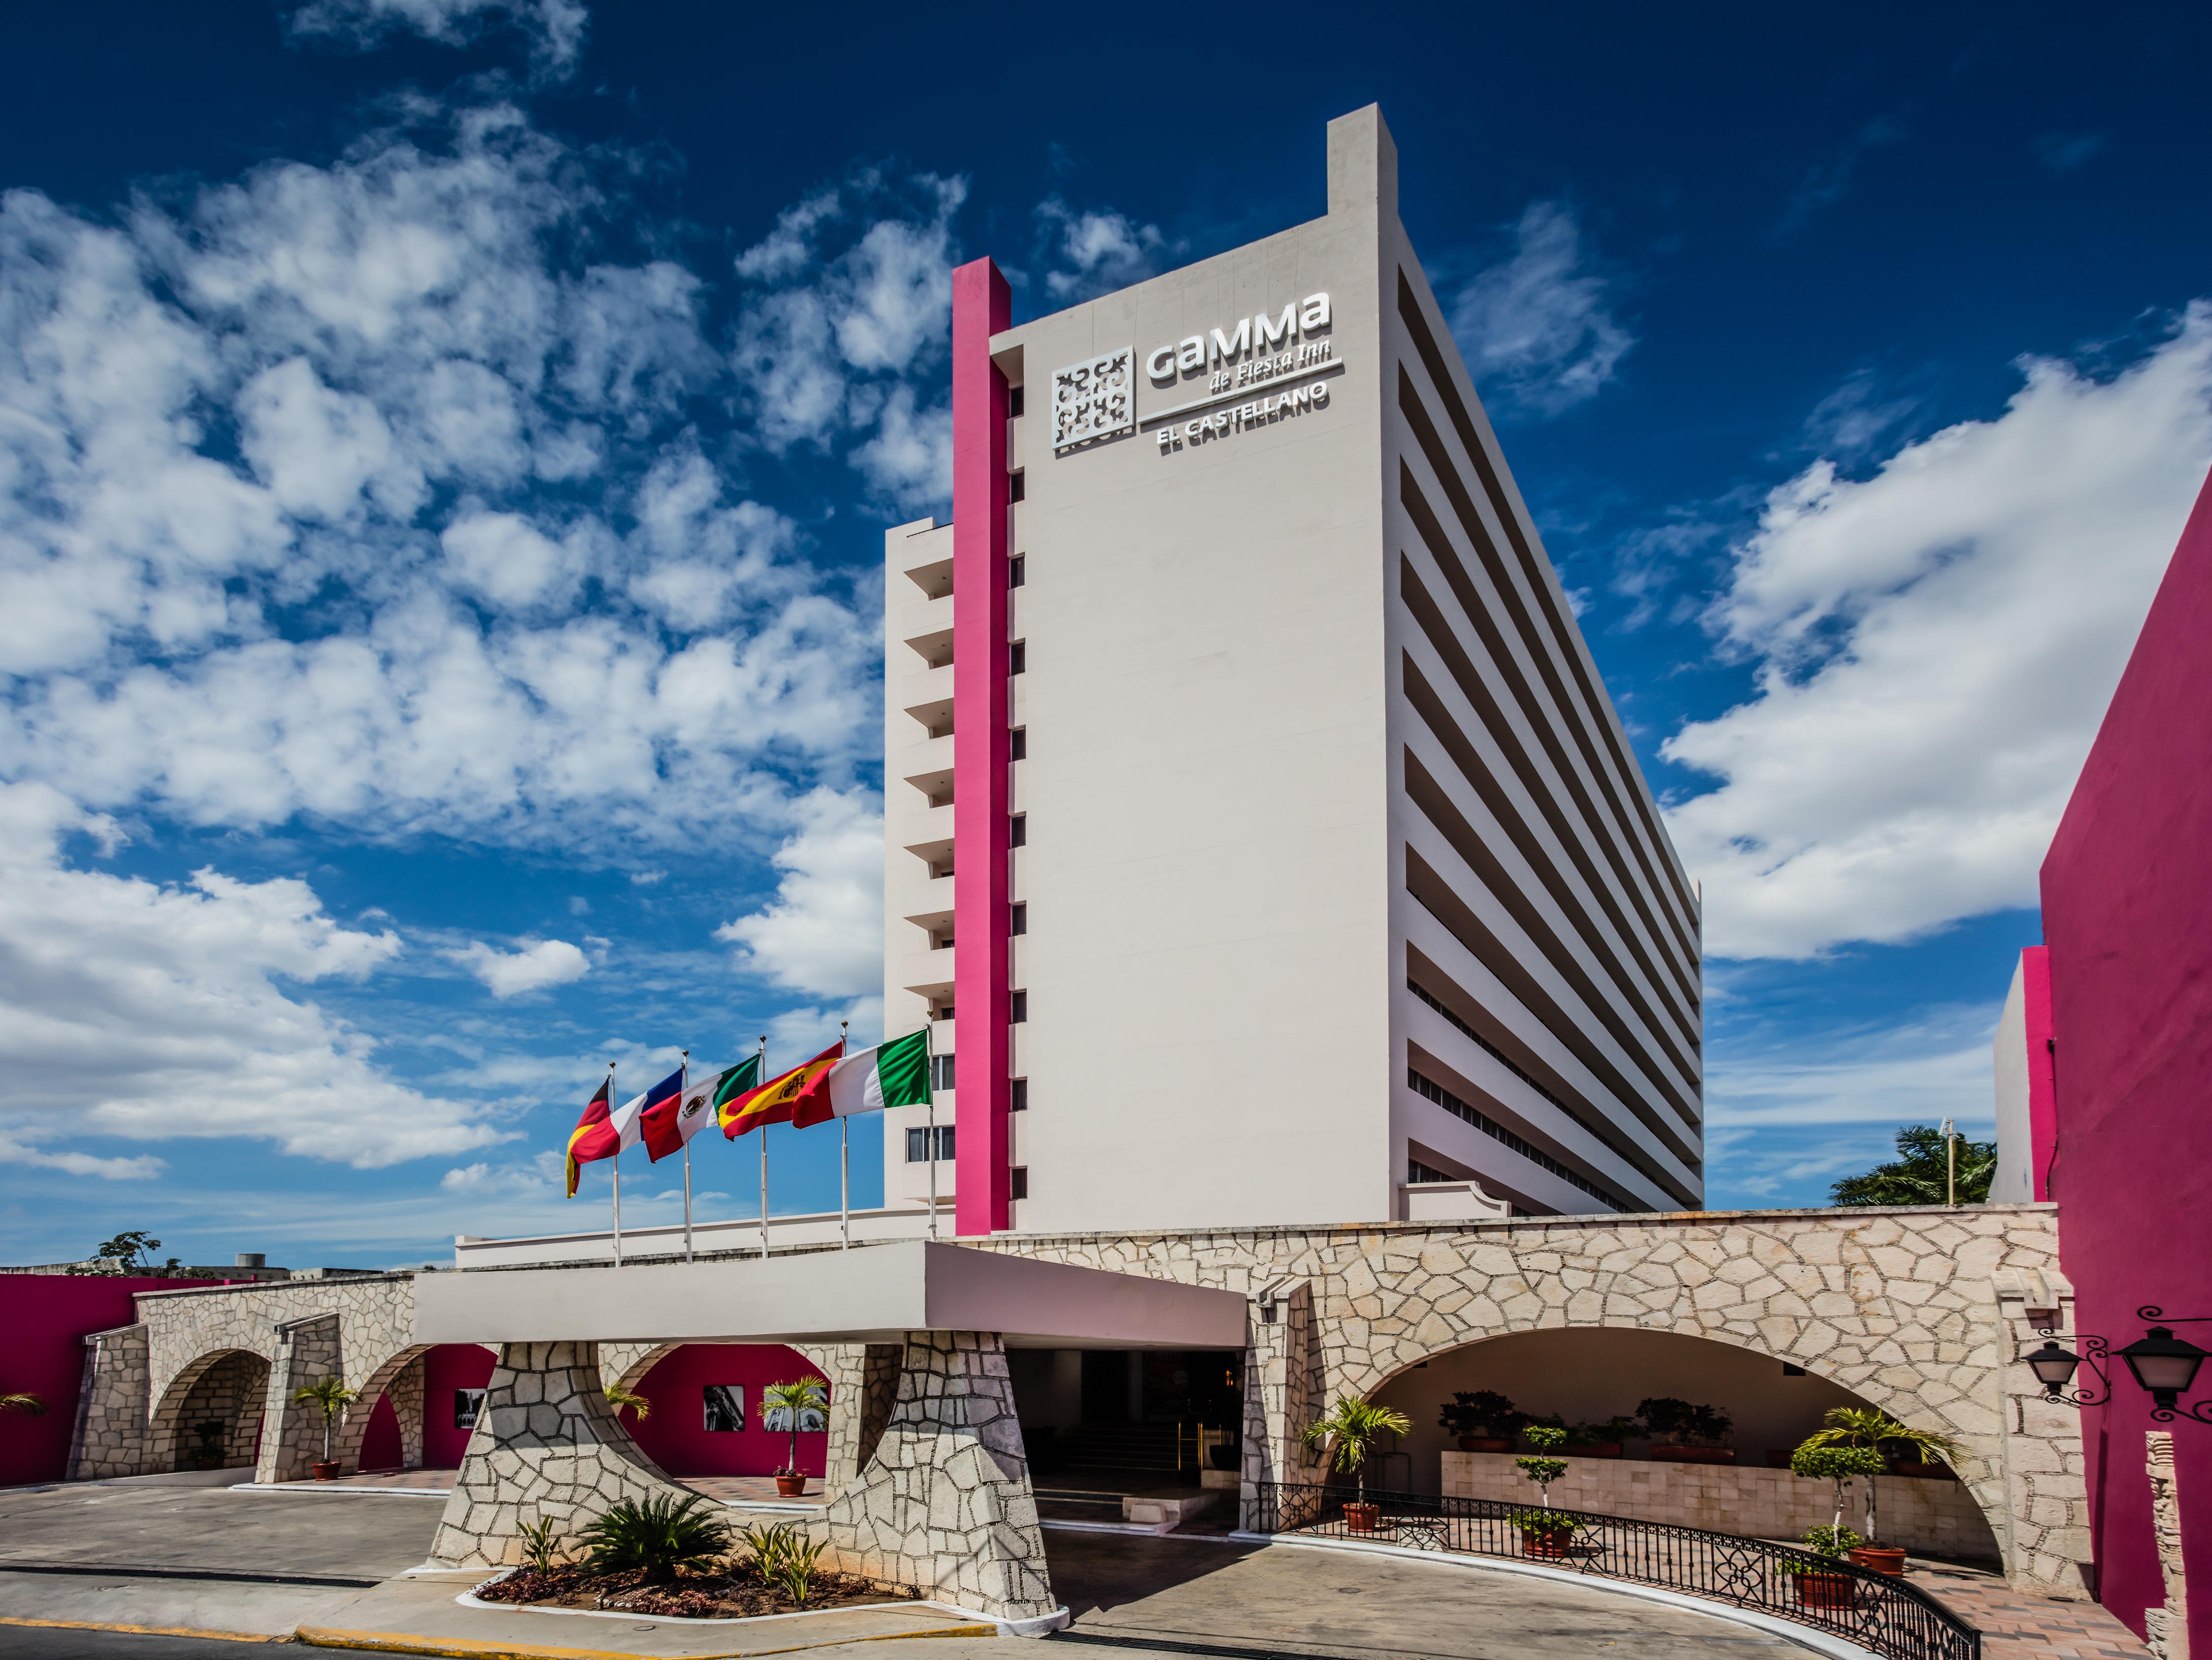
[{"x": 1261, "y": 843}]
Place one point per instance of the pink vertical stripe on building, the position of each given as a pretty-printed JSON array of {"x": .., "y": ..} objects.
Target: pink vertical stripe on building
[
  {"x": 2042, "y": 1079},
  {"x": 981, "y": 306}
]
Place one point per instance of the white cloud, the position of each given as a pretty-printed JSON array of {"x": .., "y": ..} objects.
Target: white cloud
[
  {"x": 1095, "y": 252},
  {"x": 909, "y": 460},
  {"x": 510, "y": 973},
  {"x": 18, "y": 1149},
  {"x": 822, "y": 933},
  {"x": 554, "y": 28},
  {"x": 1937, "y": 644},
  {"x": 1537, "y": 330},
  {"x": 151, "y": 1013}
]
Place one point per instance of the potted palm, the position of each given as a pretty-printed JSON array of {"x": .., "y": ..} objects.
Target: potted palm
[
  {"x": 789, "y": 1402},
  {"x": 1841, "y": 1464},
  {"x": 1484, "y": 1421},
  {"x": 332, "y": 1396},
  {"x": 1543, "y": 1532},
  {"x": 207, "y": 1453},
  {"x": 1355, "y": 1425},
  {"x": 1870, "y": 1430}
]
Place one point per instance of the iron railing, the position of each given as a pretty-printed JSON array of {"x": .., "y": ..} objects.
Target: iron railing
[{"x": 1878, "y": 1611}]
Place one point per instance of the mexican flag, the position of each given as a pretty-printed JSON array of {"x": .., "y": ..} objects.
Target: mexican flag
[{"x": 894, "y": 1074}]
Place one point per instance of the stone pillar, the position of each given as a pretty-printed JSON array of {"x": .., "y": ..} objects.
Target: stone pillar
[
  {"x": 2038, "y": 1496},
  {"x": 946, "y": 1502},
  {"x": 846, "y": 1367},
  {"x": 406, "y": 1394},
  {"x": 1283, "y": 1386},
  {"x": 308, "y": 1351},
  {"x": 2166, "y": 1626},
  {"x": 113, "y": 1403},
  {"x": 546, "y": 1445}
]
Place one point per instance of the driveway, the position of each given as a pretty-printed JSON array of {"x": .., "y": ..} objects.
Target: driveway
[{"x": 282, "y": 1536}]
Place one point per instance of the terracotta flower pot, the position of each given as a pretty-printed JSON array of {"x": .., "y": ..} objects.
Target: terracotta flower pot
[
  {"x": 1693, "y": 1455},
  {"x": 1879, "y": 1559},
  {"x": 325, "y": 1469},
  {"x": 1486, "y": 1444},
  {"x": 1596, "y": 1450},
  {"x": 789, "y": 1487},
  {"x": 1825, "y": 1590},
  {"x": 1362, "y": 1518},
  {"x": 1552, "y": 1542}
]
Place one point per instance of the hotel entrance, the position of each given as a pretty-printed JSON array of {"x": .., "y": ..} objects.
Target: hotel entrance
[{"x": 1103, "y": 1426}]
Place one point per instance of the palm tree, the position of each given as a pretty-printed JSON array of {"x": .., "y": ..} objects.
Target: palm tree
[
  {"x": 30, "y": 1405},
  {"x": 332, "y": 1396},
  {"x": 1355, "y": 1425},
  {"x": 621, "y": 1399},
  {"x": 800, "y": 1395},
  {"x": 1869, "y": 1428}
]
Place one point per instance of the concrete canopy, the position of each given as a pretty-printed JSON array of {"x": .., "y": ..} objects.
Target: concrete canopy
[{"x": 871, "y": 1293}]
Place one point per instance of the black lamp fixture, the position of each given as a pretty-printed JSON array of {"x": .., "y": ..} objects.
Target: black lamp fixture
[
  {"x": 2164, "y": 1364},
  {"x": 2054, "y": 1367}
]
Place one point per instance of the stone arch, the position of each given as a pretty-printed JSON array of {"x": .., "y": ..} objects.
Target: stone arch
[
  {"x": 226, "y": 1385},
  {"x": 345, "y": 1445}
]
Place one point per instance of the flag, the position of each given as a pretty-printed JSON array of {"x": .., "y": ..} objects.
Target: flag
[
  {"x": 781, "y": 1098},
  {"x": 593, "y": 1138},
  {"x": 624, "y": 1120},
  {"x": 660, "y": 1117},
  {"x": 671, "y": 1123},
  {"x": 894, "y": 1074}
]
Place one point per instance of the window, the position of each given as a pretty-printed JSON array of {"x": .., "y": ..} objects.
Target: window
[
  {"x": 1496, "y": 1131},
  {"x": 1018, "y": 742},
  {"x": 1018, "y": 657},
  {"x": 1018, "y": 834},
  {"x": 917, "y": 1144},
  {"x": 1013, "y": 400},
  {"x": 725, "y": 1408},
  {"x": 1017, "y": 569},
  {"x": 1019, "y": 923},
  {"x": 940, "y": 1071},
  {"x": 941, "y": 942},
  {"x": 944, "y": 1012},
  {"x": 1021, "y": 1006},
  {"x": 1018, "y": 1187},
  {"x": 1418, "y": 1171},
  {"x": 1021, "y": 1092},
  {"x": 1016, "y": 486},
  {"x": 468, "y": 1406}
]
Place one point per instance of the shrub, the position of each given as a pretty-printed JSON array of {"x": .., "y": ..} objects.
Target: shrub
[
  {"x": 658, "y": 1535},
  {"x": 1543, "y": 1472},
  {"x": 1535, "y": 1523},
  {"x": 1839, "y": 1464},
  {"x": 541, "y": 1544},
  {"x": 1478, "y": 1412}
]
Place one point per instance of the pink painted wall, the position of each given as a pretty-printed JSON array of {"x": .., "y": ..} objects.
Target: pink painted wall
[
  {"x": 45, "y": 1319},
  {"x": 981, "y": 306},
  {"x": 675, "y": 1436},
  {"x": 446, "y": 1368},
  {"x": 2127, "y": 916},
  {"x": 380, "y": 1442},
  {"x": 2042, "y": 1067}
]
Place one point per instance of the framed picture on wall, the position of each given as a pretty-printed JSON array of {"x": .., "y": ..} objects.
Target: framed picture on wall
[
  {"x": 726, "y": 1406},
  {"x": 468, "y": 1405},
  {"x": 812, "y": 1421}
]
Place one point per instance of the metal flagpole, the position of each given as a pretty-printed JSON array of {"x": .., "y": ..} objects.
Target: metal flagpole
[
  {"x": 684, "y": 1088},
  {"x": 763, "y": 1154},
  {"x": 844, "y": 1165},
  {"x": 615, "y": 1158},
  {"x": 929, "y": 1049}
]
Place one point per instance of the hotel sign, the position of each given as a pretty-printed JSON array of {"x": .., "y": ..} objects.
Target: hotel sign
[{"x": 1096, "y": 398}]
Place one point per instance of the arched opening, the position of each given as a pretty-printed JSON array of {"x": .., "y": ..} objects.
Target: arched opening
[
  {"x": 707, "y": 1416},
  {"x": 454, "y": 1377},
  {"x": 1586, "y": 1376},
  {"x": 212, "y": 1419}
]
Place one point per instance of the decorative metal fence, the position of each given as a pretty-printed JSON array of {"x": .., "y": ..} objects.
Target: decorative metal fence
[{"x": 1877, "y": 1611}]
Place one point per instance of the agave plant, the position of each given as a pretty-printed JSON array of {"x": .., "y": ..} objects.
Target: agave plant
[
  {"x": 332, "y": 1395},
  {"x": 658, "y": 1534},
  {"x": 1355, "y": 1425},
  {"x": 1869, "y": 1428},
  {"x": 799, "y": 1395}
]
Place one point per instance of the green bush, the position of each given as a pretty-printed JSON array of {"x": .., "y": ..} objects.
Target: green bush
[
  {"x": 541, "y": 1544},
  {"x": 1537, "y": 1522},
  {"x": 784, "y": 1558},
  {"x": 658, "y": 1534},
  {"x": 1830, "y": 1541}
]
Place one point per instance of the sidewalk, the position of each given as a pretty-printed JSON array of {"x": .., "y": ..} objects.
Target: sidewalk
[{"x": 2016, "y": 1626}]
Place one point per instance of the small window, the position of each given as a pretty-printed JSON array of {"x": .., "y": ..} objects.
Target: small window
[
  {"x": 1019, "y": 922},
  {"x": 1018, "y": 743},
  {"x": 944, "y": 1012},
  {"x": 1021, "y": 1092},
  {"x": 1018, "y": 657},
  {"x": 1018, "y": 1188},
  {"x": 1418, "y": 1171},
  {"x": 725, "y": 1405},
  {"x": 1021, "y": 1001},
  {"x": 917, "y": 1144},
  {"x": 1016, "y": 486},
  {"x": 1017, "y": 569},
  {"x": 940, "y": 1071},
  {"x": 468, "y": 1406},
  {"x": 1018, "y": 832},
  {"x": 1013, "y": 400}
]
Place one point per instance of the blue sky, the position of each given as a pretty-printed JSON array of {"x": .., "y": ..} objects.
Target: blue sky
[{"x": 443, "y": 446}]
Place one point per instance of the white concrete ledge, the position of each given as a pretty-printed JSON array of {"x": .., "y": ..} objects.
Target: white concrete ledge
[{"x": 875, "y": 1294}]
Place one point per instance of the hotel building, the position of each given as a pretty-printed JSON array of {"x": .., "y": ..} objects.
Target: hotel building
[{"x": 1261, "y": 843}]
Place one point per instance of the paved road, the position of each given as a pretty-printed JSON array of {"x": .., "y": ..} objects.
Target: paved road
[{"x": 215, "y": 1530}]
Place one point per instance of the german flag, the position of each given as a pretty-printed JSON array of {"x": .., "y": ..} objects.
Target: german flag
[
  {"x": 594, "y": 1136},
  {"x": 800, "y": 1096}
]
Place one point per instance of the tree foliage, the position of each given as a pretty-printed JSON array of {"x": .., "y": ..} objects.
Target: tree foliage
[
  {"x": 658, "y": 1535},
  {"x": 1916, "y": 1175}
]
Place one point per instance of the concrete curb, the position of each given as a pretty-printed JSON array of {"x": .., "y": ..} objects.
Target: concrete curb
[
  {"x": 1821, "y": 1642},
  {"x": 985, "y": 1624},
  {"x": 465, "y": 1648},
  {"x": 14, "y": 1621}
]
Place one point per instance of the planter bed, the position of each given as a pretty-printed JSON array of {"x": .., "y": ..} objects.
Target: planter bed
[{"x": 730, "y": 1594}]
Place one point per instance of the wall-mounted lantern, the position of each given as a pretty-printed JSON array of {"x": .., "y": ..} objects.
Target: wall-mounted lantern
[{"x": 2162, "y": 1365}]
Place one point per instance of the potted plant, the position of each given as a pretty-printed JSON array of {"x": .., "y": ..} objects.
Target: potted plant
[
  {"x": 1355, "y": 1425},
  {"x": 1821, "y": 1585},
  {"x": 208, "y": 1433},
  {"x": 790, "y": 1401},
  {"x": 1484, "y": 1421},
  {"x": 1870, "y": 1430},
  {"x": 1545, "y": 1533},
  {"x": 1685, "y": 1434},
  {"x": 1542, "y": 1532},
  {"x": 332, "y": 1395},
  {"x": 1602, "y": 1440},
  {"x": 1841, "y": 1464}
]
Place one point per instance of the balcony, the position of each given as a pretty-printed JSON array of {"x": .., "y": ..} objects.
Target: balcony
[
  {"x": 933, "y": 579},
  {"x": 920, "y": 691},
  {"x": 919, "y": 828},
  {"x": 927, "y": 766},
  {"x": 929, "y": 972}
]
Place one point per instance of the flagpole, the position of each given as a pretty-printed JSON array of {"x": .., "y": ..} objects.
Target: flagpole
[
  {"x": 929, "y": 1061},
  {"x": 683, "y": 1089},
  {"x": 615, "y": 1160},
  {"x": 844, "y": 1166},
  {"x": 764, "y": 1155}
]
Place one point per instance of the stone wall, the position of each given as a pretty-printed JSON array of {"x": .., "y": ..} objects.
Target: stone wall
[
  {"x": 109, "y": 1437},
  {"x": 1922, "y": 1514},
  {"x": 232, "y": 1388}
]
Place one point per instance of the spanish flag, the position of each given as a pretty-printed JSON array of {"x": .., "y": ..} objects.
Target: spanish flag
[
  {"x": 594, "y": 1136},
  {"x": 800, "y": 1096}
]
